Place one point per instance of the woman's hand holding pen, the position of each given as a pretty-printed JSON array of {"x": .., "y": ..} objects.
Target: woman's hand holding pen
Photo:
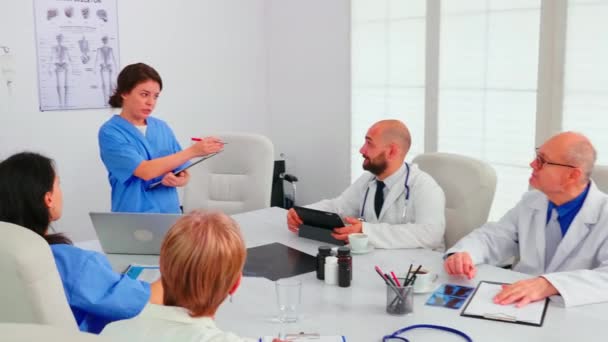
[
  {"x": 207, "y": 145},
  {"x": 356, "y": 226}
]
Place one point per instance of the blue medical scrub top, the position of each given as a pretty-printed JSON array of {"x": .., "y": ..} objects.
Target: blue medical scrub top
[
  {"x": 96, "y": 294},
  {"x": 122, "y": 148}
]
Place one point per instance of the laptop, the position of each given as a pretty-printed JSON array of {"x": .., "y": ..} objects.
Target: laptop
[{"x": 132, "y": 233}]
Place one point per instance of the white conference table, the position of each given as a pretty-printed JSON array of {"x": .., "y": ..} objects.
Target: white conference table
[{"x": 358, "y": 312}]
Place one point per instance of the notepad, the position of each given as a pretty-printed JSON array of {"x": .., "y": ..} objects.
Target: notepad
[
  {"x": 147, "y": 273},
  {"x": 482, "y": 305}
]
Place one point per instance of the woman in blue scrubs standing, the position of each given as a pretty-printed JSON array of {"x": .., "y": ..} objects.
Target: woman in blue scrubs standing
[
  {"x": 30, "y": 196},
  {"x": 139, "y": 150}
]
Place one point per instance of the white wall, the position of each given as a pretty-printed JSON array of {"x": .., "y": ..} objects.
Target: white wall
[
  {"x": 275, "y": 67},
  {"x": 309, "y": 92},
  {"x": 212, "y": 57}
]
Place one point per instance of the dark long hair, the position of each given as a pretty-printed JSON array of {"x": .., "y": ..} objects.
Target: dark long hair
[
  {"x": 25, "y": 179},
  {"x": 130, "y": 77}
]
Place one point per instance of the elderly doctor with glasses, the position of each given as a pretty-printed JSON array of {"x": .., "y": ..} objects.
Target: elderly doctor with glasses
[
  {"x": 558, "y": 232},
  {"x": 395, "y": 204}
]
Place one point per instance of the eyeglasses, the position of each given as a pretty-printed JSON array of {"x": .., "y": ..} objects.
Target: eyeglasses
[{"x": 541, "y": 162}]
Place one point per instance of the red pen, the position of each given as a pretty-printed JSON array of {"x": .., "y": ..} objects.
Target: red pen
[
  {"x": 395, "y": 278},
  {"x": 200, "y": 139}
]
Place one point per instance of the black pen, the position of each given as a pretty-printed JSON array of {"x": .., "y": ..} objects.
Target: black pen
[
  {"x": 409, "y": 270},
  {"x": 413, "y": 275}
]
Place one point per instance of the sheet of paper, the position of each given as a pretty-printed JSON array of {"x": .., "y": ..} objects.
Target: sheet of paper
[
  {"x": 482, "y": 304},
  {"x": 307, "y": 338}
]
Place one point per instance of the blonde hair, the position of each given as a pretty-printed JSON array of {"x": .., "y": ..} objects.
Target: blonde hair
[{"x": 201, "y": 260}]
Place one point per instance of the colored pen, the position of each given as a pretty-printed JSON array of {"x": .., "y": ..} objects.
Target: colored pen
[
  {"x": 390, "y": 279},
  {"x": 395, "y": 279},
  {"x": 379, "y": 271}
]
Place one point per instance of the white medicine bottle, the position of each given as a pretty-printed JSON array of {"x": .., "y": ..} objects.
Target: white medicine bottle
[{"x": 331, "y": 270}]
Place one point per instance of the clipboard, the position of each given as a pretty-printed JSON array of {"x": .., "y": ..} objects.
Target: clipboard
[
  {"x": 481, "y": 306},
  {"x": 155, "y": 184}
]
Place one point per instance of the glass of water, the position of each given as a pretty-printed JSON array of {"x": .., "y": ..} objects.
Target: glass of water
[{"x": 289, "y": 297}]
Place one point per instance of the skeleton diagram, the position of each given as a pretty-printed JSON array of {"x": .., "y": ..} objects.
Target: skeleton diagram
[
  {"x": 107, "y": 64},
  {"x": 60, "y": 59},
  {"x": 84, "y": 49}
]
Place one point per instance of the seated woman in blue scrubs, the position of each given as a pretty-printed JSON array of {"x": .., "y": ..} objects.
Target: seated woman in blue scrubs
[
  {"x": 139, "y": 150},
  {"x": 30, "y": 196}
]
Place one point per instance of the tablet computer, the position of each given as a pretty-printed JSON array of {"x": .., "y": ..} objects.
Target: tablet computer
[
  {"x": 176, "y": 171},
  {"x": 319, "y": 218}
]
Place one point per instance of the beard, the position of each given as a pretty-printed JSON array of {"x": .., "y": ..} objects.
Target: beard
[{"x": 377, "y": 165}]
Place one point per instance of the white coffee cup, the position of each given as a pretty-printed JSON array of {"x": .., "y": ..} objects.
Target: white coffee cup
[
  {"x": 358, "y": 242},
  {"x": 425, "y": 279}
]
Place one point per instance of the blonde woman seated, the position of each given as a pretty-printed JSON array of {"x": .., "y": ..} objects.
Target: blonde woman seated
[{"x": 201, "y": 262}]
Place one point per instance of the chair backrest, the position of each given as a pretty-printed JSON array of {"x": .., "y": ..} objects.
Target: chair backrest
[
  {"x": 239, "y": 179},
  {"x": 31, "y": 290},
  {"x": 21, "y": 332},
  {"x": 600, "y": 177},
  {"x": 469, "y": 185}
]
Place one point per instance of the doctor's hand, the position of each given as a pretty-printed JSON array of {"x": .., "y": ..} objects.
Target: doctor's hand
[
  {"x": 171, "y": 180},
  {"x": 526, "y": 291},
  {"x": 207, "y": 146},
  {"x": 460, "y": 264},
  {"x": 183, "y": 178},
  {"x": 356, "y": 226},
  {"x": 293, "y": 220}
]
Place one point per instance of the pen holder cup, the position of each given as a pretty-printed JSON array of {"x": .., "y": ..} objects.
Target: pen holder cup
[{"x": 399, "y": 300}]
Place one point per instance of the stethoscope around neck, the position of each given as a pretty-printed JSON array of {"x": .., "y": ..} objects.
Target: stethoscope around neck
[{"x": 406, "y": 192}]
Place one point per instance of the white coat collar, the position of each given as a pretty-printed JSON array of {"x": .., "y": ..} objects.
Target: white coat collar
[
  {"x": 396, "y": 185},
  {"x": 580, "y": 227}
]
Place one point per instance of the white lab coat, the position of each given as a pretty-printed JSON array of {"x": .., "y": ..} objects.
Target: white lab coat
[
  {"x": 423, "y": 225},
  {"x": 579, "y": 268}
]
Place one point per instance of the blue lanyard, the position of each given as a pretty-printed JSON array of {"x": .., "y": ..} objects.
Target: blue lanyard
[
  {"x": 407, "y": 191},
  {"x": 395, "y": 335}
]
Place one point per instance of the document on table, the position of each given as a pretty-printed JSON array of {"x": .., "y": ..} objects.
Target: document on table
[
  {"x": 482, "y": 305},
  {"x": 306, "y": 338}
]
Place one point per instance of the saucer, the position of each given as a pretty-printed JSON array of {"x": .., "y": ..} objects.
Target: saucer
[
  {"x": 365, "y": 251},
  {"x": 430, "y": 288}
]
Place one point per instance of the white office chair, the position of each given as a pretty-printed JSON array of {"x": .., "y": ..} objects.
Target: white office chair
[
  {"x": 31, "y": 290},
  {"x": 469, "y": 185},
  {"x": 21, "y": 332},
  {"x": 237, "y": 180},
  {"x": 600, "y": 177}
]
